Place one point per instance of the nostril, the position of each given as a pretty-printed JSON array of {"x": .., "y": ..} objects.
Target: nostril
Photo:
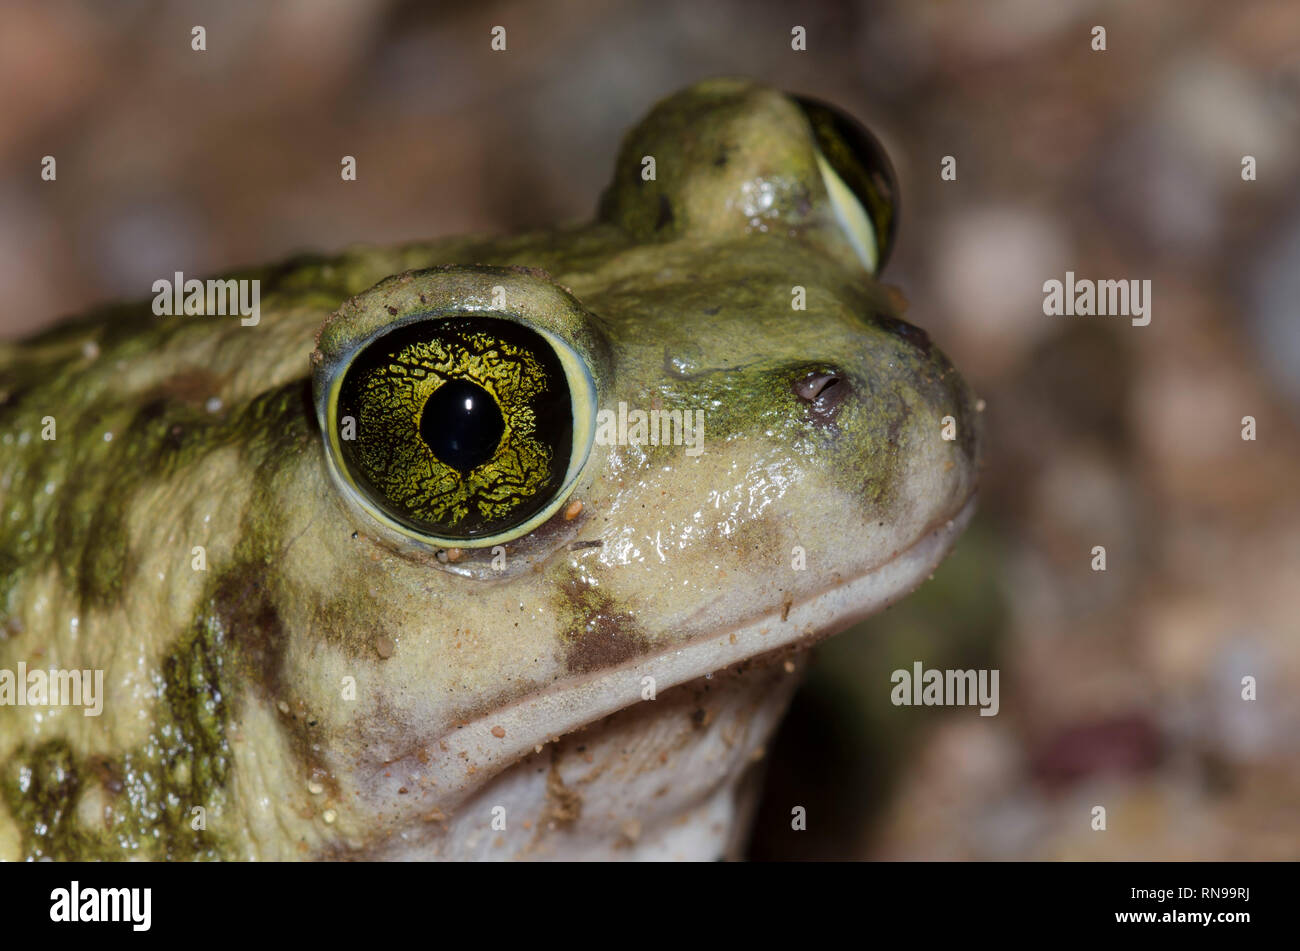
[{"x": 824, "y": 390}]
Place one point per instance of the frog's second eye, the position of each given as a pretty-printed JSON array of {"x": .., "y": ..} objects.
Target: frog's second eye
[
  {"x": 859, "y": 179},
  {"x": 465, "y": 430}
]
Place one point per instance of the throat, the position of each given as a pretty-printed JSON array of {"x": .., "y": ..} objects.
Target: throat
[{"x": 669, "y": 778}]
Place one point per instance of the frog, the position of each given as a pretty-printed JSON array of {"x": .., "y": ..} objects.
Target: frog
[{"x": 483, "y": 547}]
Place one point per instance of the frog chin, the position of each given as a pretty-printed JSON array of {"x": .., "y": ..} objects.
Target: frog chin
[{"x": 477, "y": 751}]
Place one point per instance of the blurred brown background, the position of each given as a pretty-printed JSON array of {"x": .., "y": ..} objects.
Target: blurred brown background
[{"x": 1119, "y": 688}]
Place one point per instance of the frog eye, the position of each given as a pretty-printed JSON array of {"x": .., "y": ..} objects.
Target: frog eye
[
  {"x": 859, "y": 179},
  {"x": 466, "y": 430}
]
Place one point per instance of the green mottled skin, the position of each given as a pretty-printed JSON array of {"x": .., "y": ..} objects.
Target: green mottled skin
[{"x": 223, "y": 685}]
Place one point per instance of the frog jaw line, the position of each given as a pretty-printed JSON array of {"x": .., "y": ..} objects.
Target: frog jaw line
[{"x": 476, "y": 751}]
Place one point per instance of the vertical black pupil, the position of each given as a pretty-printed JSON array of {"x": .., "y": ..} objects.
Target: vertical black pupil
[{"x": 462, "y": 424}]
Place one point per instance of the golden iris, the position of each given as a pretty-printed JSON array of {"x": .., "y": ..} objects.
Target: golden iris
[{"x": 463, "y": 425}]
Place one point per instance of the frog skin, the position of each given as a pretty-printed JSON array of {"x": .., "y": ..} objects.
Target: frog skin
[{"x": 291, "y": 672}]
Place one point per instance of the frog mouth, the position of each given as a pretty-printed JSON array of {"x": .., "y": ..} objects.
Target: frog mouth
[{"x": 479, "y": 749}]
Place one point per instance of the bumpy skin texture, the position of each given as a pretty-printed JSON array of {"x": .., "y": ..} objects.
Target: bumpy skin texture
[{"x": 226, "y": 689}]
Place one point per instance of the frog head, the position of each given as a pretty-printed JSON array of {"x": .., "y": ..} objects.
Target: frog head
[{"x": 693, "y": 434}]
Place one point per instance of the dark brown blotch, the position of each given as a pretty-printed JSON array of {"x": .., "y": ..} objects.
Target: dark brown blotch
[
  {"x": 599, "y": 635},
  {"x": 246, "y": 612}
]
